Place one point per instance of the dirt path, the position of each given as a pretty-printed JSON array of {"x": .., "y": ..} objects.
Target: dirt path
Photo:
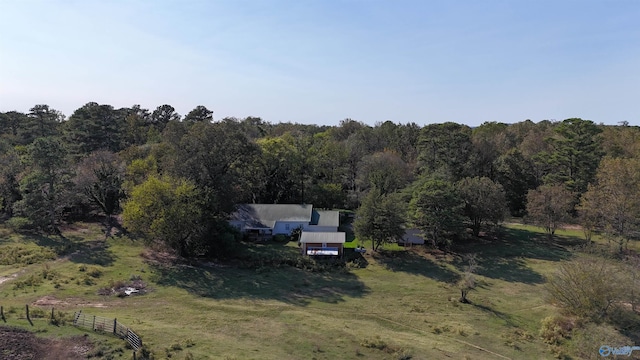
[{"x": 4, "y": 279}]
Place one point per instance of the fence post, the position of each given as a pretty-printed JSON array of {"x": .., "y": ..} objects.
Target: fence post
[
  {"x": 28, "y": 317},
  {"x": 2, "y": 314},
  {"x": 53, "y": 318},
  {"x": 115, "y": 324},
  {"x": 134, "y": 355},
  {"x": 93, "y": 327}
]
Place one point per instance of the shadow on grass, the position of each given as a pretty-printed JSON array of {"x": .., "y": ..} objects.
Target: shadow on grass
[
  {"x": 505, "y": 258},
  {"x": 414, "y": 263},
  {"x": 508, "y": 319},
  {"x": 286, "y": 284},
  {"x": 76, "y": 248}
]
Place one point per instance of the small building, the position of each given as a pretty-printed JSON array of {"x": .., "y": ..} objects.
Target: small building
[
  {"x": 411, "y": 237},
  {"x": 266, "y": 220},
  {"x": 322, "y": 243}
]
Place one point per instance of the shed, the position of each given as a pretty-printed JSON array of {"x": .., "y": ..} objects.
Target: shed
[{"x": 322, "y": 243}]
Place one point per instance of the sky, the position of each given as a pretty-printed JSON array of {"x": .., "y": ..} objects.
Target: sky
[{"x": 319, "y": 62}]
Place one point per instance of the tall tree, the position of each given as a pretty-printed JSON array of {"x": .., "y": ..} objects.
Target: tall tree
[
  {"x": 41, "y": 121},
  {"x": 548, "y": 207},
  {"x": 162, "y": 115},
  {"x": 446, "y": 149},
  {"x": 94, "y": 127},
  {"x": 99, "y": 177},
  {"x": 380, "y": 218},
  {"x": 517, "y": 175},
  {"x": 613, "y": 202},
  {"x": 166, "y": 210},
  {"x": 385, "y": 171},
  {"x": 43, "y": 185},
  {"x": 575, "y": 154},
  {"x": 213, "y": 155},
  {"x": 199, "y": 114},
  {"x": 437, "y": 209},
  {"x": 484, "y": 201},
  {"x": 136, "y": 125},
  {"x": 9, "y": 172}
]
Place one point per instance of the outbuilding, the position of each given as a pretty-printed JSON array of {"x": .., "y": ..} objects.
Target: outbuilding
[{"x": 322, "y": 243}]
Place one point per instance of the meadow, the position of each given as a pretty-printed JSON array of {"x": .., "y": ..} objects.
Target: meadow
[{"x": 395, "y": 304}]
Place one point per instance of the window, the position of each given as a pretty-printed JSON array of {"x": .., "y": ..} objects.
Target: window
[{"x": 286, "y": 226}]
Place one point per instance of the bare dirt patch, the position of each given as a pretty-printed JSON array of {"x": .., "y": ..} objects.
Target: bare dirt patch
[
  {"x": 18, "y": 344},
  {"x": 50, "y": 301}
]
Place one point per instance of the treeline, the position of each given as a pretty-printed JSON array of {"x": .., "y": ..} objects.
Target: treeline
[{"x": 176, "y": 178}]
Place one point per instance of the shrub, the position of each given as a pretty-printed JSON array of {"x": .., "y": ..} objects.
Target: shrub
[
  {"x": 586, "y": 287},
  {"x": 94, "y": 272},
  {"x": 17, "y": 223},
  {"x": 587, "y": 340},
  {"x": 555, "y": 329}
]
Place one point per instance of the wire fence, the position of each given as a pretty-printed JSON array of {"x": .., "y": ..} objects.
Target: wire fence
[{"x": 106, "y": 325}]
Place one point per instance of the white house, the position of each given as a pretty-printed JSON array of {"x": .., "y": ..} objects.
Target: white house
[{"x": 265, "y": 220}]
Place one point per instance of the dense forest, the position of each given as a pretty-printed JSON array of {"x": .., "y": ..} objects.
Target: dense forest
[{"x": 177, "y": 178}]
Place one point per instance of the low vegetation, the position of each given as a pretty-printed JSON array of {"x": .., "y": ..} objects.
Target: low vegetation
[{"x": 396, "y": 303}]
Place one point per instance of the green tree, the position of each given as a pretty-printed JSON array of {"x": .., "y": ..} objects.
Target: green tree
[
  {"x": 162, "y": 115},
  {"x": 281, "y": 167},
  {"x": 213, "y": 156},
  {"x": 575, "y": 154},
  {"x": 43, "y": 186},
  {"x": 10, "y": 168},
  {"x": 94, "y": 127},
  {"x": 548, "y": 207},
  {"x": 167, "y": 210},
  {"x": 484, "y": 201},
  {"x": 199, "y": 114},
  {"x": 385, "y": 171},
  {"x": 136, "y": 125},
  {"x": 99, "y": 177},
  {"x": 445, "y": 149},
  {"x": 517, "y": 175},
  {"x": 612, "y": 204},
  {"x": 437, "y": 209},
  {"x": 41, "y": 121},
  {"x": 380, "y": 219}
]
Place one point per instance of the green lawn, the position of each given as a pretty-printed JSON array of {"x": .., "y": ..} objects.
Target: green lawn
[{"x": 398, "y": 304}]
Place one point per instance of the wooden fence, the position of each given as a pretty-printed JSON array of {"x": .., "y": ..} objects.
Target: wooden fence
[{"x": 112, "y": 326}]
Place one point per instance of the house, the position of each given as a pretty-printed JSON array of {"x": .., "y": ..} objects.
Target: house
[
  {"x": 411, "y": 237},
  {"x": 266, "y": 220},
  {"x": 322, "y": 243}
]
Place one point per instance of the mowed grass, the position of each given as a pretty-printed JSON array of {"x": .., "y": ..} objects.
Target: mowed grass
[{"x": 397, "y": 304}]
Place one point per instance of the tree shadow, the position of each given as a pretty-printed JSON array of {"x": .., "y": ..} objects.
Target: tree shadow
[
  {"x": 505, "y": 257},
  {"x": 76, "y": 248},
  {"x": 287, "y": 284},
  {"x": 412, "y": 262},
  {"x": 93, "y": 253},
  {"x": 508, "y": 319}
]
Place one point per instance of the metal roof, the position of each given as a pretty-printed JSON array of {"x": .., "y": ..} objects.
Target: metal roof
[
  {"x": 325, "y": 218},
  {"x": 266, "y": 215},
  {"x": 323, "y": 237}
]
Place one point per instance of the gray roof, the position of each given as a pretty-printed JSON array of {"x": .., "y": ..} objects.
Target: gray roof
[
  {"x": 323, "y": 237},
  {"x": 266, "y": 215},
  {"x": 325, "y": 218}
]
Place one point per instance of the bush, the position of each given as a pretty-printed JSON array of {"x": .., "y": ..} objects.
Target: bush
[
  {"x": 586, "y": 288},
  {"x": 25, "y": 255},
  {"x": 555, "y": 329},
  {"x": 588, "y": 340},
  {"x": 17, "y": 223}
]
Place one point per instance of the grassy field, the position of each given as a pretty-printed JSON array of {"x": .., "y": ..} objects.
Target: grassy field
[{"x": 397, "y": 304}]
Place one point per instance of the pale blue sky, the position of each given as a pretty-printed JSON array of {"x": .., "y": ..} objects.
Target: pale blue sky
[{"x": 323, "y": 61}]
